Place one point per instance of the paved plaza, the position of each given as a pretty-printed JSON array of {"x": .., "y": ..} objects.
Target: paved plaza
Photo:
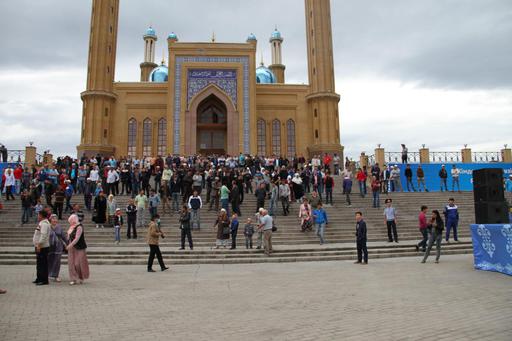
[{"x": 390, "y": 299}]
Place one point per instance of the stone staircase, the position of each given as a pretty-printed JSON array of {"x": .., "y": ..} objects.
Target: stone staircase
[{"x": 290, "y": 244}]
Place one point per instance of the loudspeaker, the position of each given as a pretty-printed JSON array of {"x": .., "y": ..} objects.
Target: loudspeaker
[
  {"x": 491, "y": 213},
  {"x": 488, "y": 185}
]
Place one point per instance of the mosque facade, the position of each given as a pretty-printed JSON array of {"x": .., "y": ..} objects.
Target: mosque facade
[{"x": 212, "y": 97}]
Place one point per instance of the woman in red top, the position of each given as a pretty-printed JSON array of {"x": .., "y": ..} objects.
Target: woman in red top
[{"x": 361, "y": 177}]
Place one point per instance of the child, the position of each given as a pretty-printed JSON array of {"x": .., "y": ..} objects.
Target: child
[
  {"x": 234, "y": 230},
  {"x": 248, "y": 232},
  {"x": 118, "y": 223},
  {"x": 37, "y": 208}
]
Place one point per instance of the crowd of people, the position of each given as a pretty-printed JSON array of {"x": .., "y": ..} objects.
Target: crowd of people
[{"x": 186, "y": 185}]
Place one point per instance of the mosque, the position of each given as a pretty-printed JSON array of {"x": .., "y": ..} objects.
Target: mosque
[{"x": 212, "y": 97}]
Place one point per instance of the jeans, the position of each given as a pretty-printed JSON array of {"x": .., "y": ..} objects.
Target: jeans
[
  {"x": 27, "y": 211},
  {"x": 117, "y": 233},
  {"x": 421, "y": 181},
  {"x": 233, "y": 238},
  {"x": 248, "y": 242},
  {"x": 195, "y": 219},
  {"x": 423, "y": 243},
  {"x": 451, "y": 224},
  {"x": 397, "y": 183},
  {"x": 392, "y": 233},
  {"x": 155, "y": 250},
  {"x": 320, "y": 231},
  {"x": 272, "y": 207},
  {"x": 455, "y": 181},
  {"x": 224, "y": 203},
  {"x": 336, "y": 169},
  {"x": 81, "y": 185},
  {"x": 443, "y": 182},
  {"x": 175, "y": 201},
  {"x": 409, "y": 182},
  {"x": 434, "y": 237},
  {"x": 362, "y": 251},
  {"x": 361, "y": 188},
  {"x": 285, "y": 203},
  {"x": 141, "y": 216},
  {"x": 328, "y": 195},
  {"x": 376, "y": 199},
  {"x": 17, "y": 184},
  {"x": 153, "y": 211}
]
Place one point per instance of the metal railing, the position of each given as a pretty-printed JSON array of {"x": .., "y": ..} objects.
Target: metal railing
[
  {"x": 15, "y": 155},
  {"x": 447, "y": 157},
  {"x": 396, "y": 157},
  {"x": 487, "y": 157}
]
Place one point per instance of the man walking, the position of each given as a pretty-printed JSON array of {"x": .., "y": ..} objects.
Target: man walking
[
  {"x": 42, "y": 247},
  {"x": 153, "y": 237},
  {"x": 422, "y": 219},
  {"x": 420, "y": 175},
  {"x": 321, "y": 222},
  {"x": 408, "y": 176},
  {"x": 284, "y": 196},
  {"x": 362, "y": 250},
  {"x": 451, "y": 215}
]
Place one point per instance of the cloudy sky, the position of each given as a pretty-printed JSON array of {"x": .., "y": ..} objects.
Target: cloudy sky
[{"x": 414, "y": 72}]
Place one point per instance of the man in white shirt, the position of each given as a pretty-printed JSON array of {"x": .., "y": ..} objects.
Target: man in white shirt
[
  {"x": 112, "y": 179},
  {"x": 455, "y": 178}
]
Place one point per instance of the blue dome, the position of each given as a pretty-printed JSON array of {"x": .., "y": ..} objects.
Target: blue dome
[
  {"x": 172, "y": 35},
  {"x": 264, "y": 75},
  {"x": 276, "y": 34},
  {"x": 150, "y": 32},
  {"x": 251, "y": 37},
  {"x": 159, "y": 74}
]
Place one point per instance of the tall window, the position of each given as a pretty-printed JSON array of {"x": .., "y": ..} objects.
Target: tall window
[
  {"x": 132, "y": 138},
  {"x": 162, "y": 137},
  {"x": 262, "y": 137},
  {"x": 290, "y": 136},
  {"x": 147, "y": 137},
  {"x": 276, "y": 137}
]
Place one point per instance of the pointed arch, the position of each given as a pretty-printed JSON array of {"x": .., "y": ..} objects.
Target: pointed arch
[
  {"x": 132, "y": 138},
  {"x": 290, "y": 139},
  {"x": 261, "y": 128},
  {"x": 162, "y": 137},
  {"x": 276, "y": 137},
  {"x": 147, "y": 137}
]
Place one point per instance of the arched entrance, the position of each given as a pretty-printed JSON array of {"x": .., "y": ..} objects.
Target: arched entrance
[{"x": 212, "y": 125}]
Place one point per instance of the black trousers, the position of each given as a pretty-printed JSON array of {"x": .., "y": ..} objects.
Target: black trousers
[
  {"x": 132, "y": 226},
  {"x": 186, "y": 233},
  {"x": 155, "y": 250},
  {"x": 8, "y": 193},
  {"x": 42, "y": 265},
  {"x": 392, "y": 228},
  {"x": 362, "y": 251},
  {"x": 233, "y": 239},
  {"x": 259, "y": 204},
  {"x": 58, "y": 209}
]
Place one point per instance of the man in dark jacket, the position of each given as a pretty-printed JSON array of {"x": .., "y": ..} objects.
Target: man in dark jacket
[
  {"x": 443, "y": 175},
  {"x": 185, "y": 228},
  {"x": 235, "y": 198},
  {"x": 361, "y": 238},
  {"x": 408, "y": 176}
]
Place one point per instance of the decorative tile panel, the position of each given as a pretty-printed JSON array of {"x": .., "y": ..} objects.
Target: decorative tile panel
[{"x": 198, "y": 79}]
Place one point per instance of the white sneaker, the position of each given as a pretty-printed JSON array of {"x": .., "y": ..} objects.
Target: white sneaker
[{"x": 97, "y": 226}]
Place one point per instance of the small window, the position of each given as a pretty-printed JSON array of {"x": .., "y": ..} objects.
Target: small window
[
  {"x": 106, "y": 112},
  {"x": 276, "y": 137},
  {"x": 105, "y": 133},
  {"x": 314, "y": 70},
  {"x": 316, "y": 134},
  {"x": 261, "y": 138},
  {"x": 108, "y": 69},
  {"x": 147, "y": 137},
  {"x": 316, "y": 113}
]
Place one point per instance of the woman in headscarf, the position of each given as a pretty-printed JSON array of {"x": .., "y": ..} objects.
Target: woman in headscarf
[
  {"x": 77, "y": 256},
  {"x": 100, "y": 210},
  {"x": 305, "y": 215},
  {"x": 111, "y": 209},
  {"x": 58, "y": 240},
  {"x": 298, "y": 189},
  {"x": 223, "y": 229}
]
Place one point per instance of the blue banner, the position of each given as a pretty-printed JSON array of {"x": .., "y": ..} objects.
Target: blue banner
[
  {"x": 492, "y": 247},
  {"x": 433, "y": 182}
]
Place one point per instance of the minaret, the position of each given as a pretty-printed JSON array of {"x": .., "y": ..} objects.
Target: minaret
[
  {"x": 148, "y": 65},
  {"x": 99, "y": 99},
  {"x": 322, "y": 99},
  {"x": 277, "y": 66}
]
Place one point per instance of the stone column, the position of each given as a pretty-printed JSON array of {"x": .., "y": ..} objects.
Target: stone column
[
  {"x": 363, "y": 160},
  {"x": 466, "y": 155},
  {"x": 379, "y": 156},
  {"x": 506, "y": 155},
  {"x": 30, "y": 156},
  {"x": 424, "y": 155}
]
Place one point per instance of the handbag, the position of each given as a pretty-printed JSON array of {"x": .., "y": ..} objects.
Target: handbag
[
  {"x": 274, "y": 227},
  {"x": 226, "y": 230}
]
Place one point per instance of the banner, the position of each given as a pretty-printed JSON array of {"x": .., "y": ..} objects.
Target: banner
[
  {"x": 492, "y": 247},
  {"x": 433, "y": 182}
]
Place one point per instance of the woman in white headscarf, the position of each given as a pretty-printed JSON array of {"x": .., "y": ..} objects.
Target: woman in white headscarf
[
  {"x": 78, "y": 264},
  {"x": 298, "y": 189}
]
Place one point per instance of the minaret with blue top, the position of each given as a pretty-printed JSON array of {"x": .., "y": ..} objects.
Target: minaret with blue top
[
  {"x": 277, "y": 67},
  {"x": 148, "y": 65}
]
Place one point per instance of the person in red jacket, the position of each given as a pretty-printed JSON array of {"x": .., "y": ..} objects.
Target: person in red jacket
[
  {"x": 327, "y": 162},
  {"x": 361, "y": 178},
  {"x": 18, "y": 174}
]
